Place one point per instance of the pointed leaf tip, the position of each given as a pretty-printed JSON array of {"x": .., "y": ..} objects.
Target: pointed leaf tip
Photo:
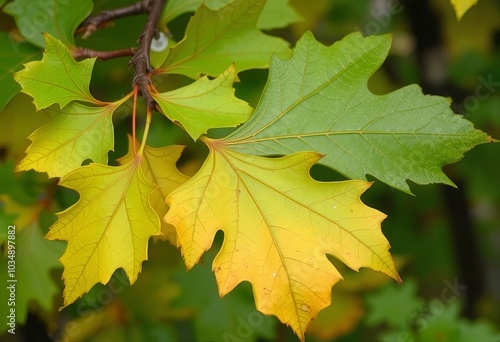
[
  {"x": 279, "y": 224},
  {"x": 57, "y": 78}
]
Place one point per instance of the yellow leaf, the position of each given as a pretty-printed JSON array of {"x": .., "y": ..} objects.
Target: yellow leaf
[
  {"x": 159, "y": 168},
  {"x": 108, "y": 228},
  {"x": 74, "y": 134},
  {"x": 279, "y": 224},
  {"x": 462, "y": 6}
]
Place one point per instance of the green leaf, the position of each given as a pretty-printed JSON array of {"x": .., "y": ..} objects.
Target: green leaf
[
  {"x": 35, "y": 258},
  {"x": 276, "y": 13},
  {"x": 205, "y": 104},
  {"x": 57, "y": 78},
  {"x": 477, "y": 330},
  {"x": 12, "y": 55},
  {"x": 385, "y": 305},
  {"x": 319, "y": 101},
  {"x": 175, "y": 8},
  {"x": 74, "y": 134},
  {"x": 215, "y": 40},
  {"x": 58, "y": 18}
]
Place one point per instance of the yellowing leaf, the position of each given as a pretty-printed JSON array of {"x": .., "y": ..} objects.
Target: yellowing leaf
[
  {"x": 205, "y": 104},
  {"x": 107, "y": 228},
  {"x": 462, "y": 6},
  {"x": 57, "y": 78},
  {"x": 216, "y": 39},
  {"x": 278, "y": 226},
  {"x": 74, "y": 134},
  {"x": 158, "y": 166}
]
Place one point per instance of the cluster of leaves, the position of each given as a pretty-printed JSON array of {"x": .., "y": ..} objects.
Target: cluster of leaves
[
  {"x": 423, "y": 322},
  {"x": 279, "y": 224}
]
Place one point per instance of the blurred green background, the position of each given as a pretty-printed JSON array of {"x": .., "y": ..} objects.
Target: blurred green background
[{"x": 446, "y": 241}]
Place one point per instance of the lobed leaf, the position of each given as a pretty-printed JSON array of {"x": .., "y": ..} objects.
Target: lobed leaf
[
  {"x": 57, "y": 78},
  {"x": 279, "y": 224},
  {"x": 159, "y": 168},
  {"x": 58, "y": 18},
  {"x": 214, "y": 40},
  {"x": 74, "y": 134},
  {"x": 319, "y": 101},
  {"x": 205, "y": 104},
  {"x": 108, "y": 228}
]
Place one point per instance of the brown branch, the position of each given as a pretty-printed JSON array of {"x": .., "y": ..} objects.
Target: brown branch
[
  {"x": 91, "y": 24},
  {"x": 81, "y": 52},
  {"x": 140, "y": 61}
]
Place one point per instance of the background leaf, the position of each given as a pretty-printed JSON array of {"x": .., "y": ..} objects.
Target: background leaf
[
  {"x": 35, "y": 259},
  {"x": 12, "y": 55},
  {"x": 19, "y": 119},
  {"x": 58, "y": 18}
]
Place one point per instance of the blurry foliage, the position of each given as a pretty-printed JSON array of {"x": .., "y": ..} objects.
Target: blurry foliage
[{"x": 168, "y": 304}]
